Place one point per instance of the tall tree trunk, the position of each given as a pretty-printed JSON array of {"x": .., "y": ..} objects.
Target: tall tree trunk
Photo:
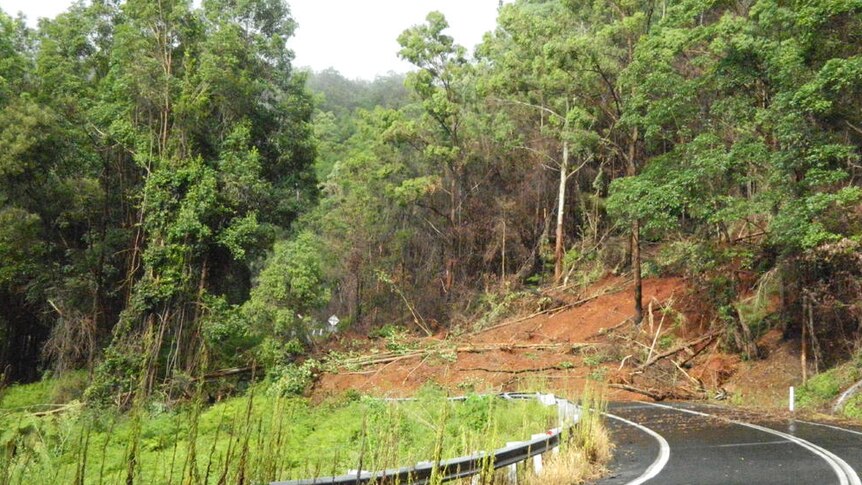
[
  {"x": 357, "y": 306},
  {"x": 803, "y": 355},
  {"x": 635, "y": 236},
  {"x": 561, "y": 206},
  {"x": 636, "y": 271}
]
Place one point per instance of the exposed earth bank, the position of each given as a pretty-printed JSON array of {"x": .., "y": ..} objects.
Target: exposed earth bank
[{"x": 590, "y": 338}]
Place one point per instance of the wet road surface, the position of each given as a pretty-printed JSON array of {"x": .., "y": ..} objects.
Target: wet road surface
[{"x": 686, "y": 443}]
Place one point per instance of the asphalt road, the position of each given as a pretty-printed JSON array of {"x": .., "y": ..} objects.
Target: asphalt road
[{"x": 685, "y": 443}]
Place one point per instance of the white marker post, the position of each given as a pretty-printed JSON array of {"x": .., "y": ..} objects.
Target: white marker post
[
  {"x": 537, "y": 459},
  {"x": 512, "y": 470},
  {"x": 792, "y": 400},
  {"x": 513, "y": 473}
]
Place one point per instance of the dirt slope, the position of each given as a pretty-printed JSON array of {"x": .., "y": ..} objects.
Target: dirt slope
[{"x": 506, "y": 369}]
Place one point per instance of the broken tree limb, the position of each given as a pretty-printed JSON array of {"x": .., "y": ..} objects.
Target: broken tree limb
[
  {"x": 657, "y": 333},
  {"x": 696, "y": 382},
  {"x": 384, "y": 360},
  {"x": 387, "y": 358},
  {"x": 706, "y": 338},
  {"x": 517, "y": 371},
  {"x": 228, "y": 372},
  {"x": 606, "y": 331},
  {"x": 524, "y": 318},
  {"x": 694, "y": 353},
  {"x": 623, "y": 362},
  {"x": 609, "y": 291},
  {"x": 506, "y": 346},
  {"x": 845, "y": 396},
  {"x": 58, "y": 410},
  {"x": 650, "y": 393},
  {"x": 485, "y": 348}
]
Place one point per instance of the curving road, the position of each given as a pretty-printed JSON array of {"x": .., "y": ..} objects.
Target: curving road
[{"x": 686, "y": 443}]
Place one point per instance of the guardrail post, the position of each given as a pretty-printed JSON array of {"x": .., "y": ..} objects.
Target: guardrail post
[
  {"x": 537, "y": 464},
  {"x": 512, "y": 473},
  {"x": 512, "y": 470},
  {"x": 537, "y": 459}
]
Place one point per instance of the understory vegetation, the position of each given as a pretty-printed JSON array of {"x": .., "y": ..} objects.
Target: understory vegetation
[
  {"x": 261, "y": 437},
  {"x": 820, "y": 392}
]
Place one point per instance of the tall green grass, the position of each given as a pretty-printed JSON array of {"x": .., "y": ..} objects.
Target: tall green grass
[{"x": 252, "y": 439}]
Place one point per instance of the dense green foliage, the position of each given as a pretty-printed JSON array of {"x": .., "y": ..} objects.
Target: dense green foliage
[
  {"x": 726, "y": 133},
  {"x": 152, "y": 152},
  {"x": 174, "y": 199}
]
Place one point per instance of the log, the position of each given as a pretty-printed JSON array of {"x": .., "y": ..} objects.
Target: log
[
  {"x": 676, "y": 349},
  {"x": 653, "y": 394},
  {"x": 228, "y": 372},
  {"x": 516, "y": 371},
  {"x": 385, "y": 359},
  {"x": 58, "y": 410},
  {"x": 558, "y": 309}
]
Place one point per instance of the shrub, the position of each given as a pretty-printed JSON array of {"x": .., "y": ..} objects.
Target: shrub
[
  {"x": 853, "y": 407},
  {"x": 293, "y": 379},
  {"x": 825, "y": 386},
  {"x": 117, "y": 373}
]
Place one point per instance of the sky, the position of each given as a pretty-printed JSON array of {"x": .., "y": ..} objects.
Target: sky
[{"x": 356, "y": 37}]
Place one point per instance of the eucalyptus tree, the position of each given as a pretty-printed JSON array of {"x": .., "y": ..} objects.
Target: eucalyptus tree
[
  {"x": 529, "y": 71},
  {"x": 568, "y": 59},
  {"x": 438, "y": 83}
]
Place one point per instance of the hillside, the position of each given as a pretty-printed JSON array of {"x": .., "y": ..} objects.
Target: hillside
[
  {"x": 663, "y": 199},
  {"x": 590, "y": 341}
]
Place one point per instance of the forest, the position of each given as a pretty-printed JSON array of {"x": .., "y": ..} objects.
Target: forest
[{"x": 177, "y": 198}]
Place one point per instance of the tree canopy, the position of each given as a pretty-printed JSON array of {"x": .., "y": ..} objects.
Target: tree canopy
[{"x": 175, "y": 196}]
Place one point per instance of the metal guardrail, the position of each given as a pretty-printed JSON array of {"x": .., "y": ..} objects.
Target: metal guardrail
[{"x": 464, "y": 466}]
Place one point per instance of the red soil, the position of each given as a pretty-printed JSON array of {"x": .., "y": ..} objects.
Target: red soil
[{"x": 493, "y": 370}]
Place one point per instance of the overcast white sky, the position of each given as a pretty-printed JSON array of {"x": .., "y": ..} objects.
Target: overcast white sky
[{"x": 356, "y": 37}]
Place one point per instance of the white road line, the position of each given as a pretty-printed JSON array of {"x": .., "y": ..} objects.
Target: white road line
[
  {"x": 845, "y": 473},
  {"x": 830, "y": 426},
  {"x": 663, "y": 454},
  {"x": 756, "y": 443},
  {"x": 838, "y": 428}
]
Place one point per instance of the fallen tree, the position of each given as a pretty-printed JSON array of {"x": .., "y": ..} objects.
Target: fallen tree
[
  {"x": 396, "y": 356},
  {"x": 687, "y": 345}
]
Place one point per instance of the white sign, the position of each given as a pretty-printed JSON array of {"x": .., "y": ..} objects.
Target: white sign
[{"x": 333, "y": 320}]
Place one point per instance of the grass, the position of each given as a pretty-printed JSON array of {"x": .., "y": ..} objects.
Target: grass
[
  {"x": 47, "y": 392},
  {"x": 250, "y": 439},
  {"x": 853, "y": 407},
  {"x": 821, "y": 390},
  {"x": 584, "y": 450}
]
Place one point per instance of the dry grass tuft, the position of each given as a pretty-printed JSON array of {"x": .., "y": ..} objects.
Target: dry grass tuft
[{"x": 584, "y": 452}]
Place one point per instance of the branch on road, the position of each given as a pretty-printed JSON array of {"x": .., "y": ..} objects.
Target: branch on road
[{"x": 650, "y": 393}]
